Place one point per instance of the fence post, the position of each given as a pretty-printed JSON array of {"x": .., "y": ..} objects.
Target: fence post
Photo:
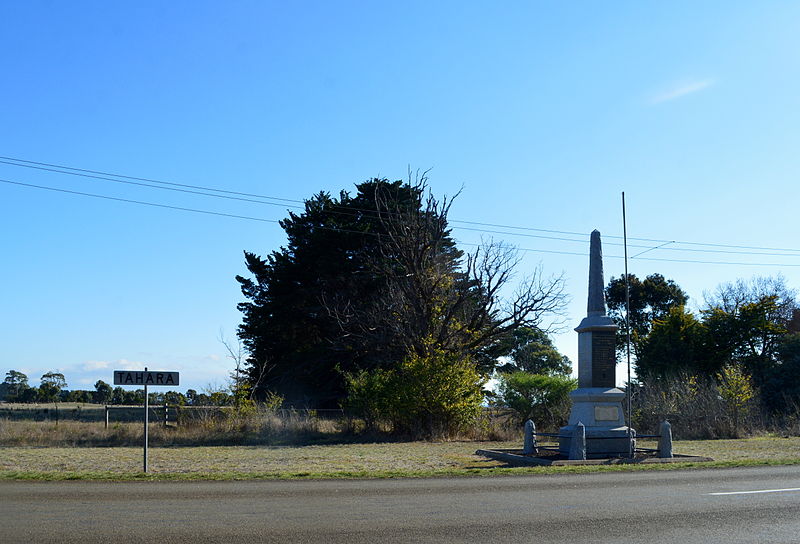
[
  {"x": 530, "y": 437},
  {"x": 577, "y": 450},
  {"x": 665, "y": 440},
  {"x": 106, "y": 416}
]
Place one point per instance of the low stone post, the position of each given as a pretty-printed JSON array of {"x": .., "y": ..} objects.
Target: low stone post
[
  {"x": 530, "y": 438},
  {"x": 577, "y": 450},
  {"x": 665, "y": 440}
]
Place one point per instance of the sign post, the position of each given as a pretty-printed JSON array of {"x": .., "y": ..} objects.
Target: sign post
[
  {"x": 146, "y": 378},
  {"x": 146, "y": 422}
]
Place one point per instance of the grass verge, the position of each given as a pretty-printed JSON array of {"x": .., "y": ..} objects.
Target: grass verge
[{"x": 343, "y": 461}]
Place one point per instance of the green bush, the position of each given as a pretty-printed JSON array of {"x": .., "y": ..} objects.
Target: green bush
[
  {"x": 542, "y": 398},
  {"x": 434, "y": 396}
]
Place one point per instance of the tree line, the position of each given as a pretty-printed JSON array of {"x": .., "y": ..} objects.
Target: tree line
[
  {"x": 736, "y": 360},
  {"x": 53, "y": 388}
]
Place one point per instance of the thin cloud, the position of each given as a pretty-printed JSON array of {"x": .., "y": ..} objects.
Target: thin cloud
[
  {"x": 125, "y": 364},
  {"x": 682, "y": 89},
  {"x": 94, "y": 365}
]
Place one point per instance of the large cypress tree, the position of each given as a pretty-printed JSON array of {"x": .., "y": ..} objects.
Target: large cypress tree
[
  {"x": 301, "y": 296},
  {"x": 366, "y": 281}
]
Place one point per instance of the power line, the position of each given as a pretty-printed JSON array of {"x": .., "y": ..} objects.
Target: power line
[
  {"x": 264, "y": 220},
  {"x": 140, "y": 184},
  {"x": 141, "y": 202},
  {"x": 107, "y": 176},
  {"x": 178, "y": 187},
  {"x": 714, "y": 262},
  {"x": 180, "y": 208},
  {"x": 136, "y": 178}
]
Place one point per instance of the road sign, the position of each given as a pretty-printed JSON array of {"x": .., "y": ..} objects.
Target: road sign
[
  {"x": 148, "y": 377},
  {"x": 145, "y": 378}
]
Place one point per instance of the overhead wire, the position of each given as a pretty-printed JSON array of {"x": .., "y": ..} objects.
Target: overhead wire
[
  {"x": 151, "y": 180},
  {"x": 226, "y": 194},
  {"x": 108, "y": 176},
  {"x": 141, "y": 184},
  {"x": 141, "y": 202}
]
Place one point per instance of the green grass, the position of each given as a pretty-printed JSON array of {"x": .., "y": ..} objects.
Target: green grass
[
  {"x": 493, "y": 471},
  {"x": 382, "y": 460}
]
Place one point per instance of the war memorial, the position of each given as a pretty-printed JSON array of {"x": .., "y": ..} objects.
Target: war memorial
[
  {"x": 597, "y": 403},
  {"x": 596, "y": 431}
]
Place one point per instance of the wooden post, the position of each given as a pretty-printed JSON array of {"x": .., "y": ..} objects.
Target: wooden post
[{"x": 106, "y": 416}]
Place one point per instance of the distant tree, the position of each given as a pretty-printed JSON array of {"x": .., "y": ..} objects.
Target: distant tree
[
  {"x": 50, "y": 387},
  {"x": 676, "y": 345},
  {"x": 650, "y": 299},
  {"x": 118, "y": 396},
  {"x": 16, "y": 382},
  {"x": 748, "y": 320},
  {"x": 743, "y": 338},
  {"x": 533, "y": 351},
  {"x": 731, "y": 297},
  {"x": 76, "y": 395},
  {"x": 103, "y": 392},
  {"x": 28, "y": 395},
  {"x": 191, "y": 397},
  {"x": 220, "y": 398},
  {"x": 134, "y": 398},
  {"x": 174, "y": 398},
  {"x": 781, "y": 386}
]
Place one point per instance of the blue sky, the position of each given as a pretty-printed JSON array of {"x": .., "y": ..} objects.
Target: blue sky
[{"x": 543, "y": 112}]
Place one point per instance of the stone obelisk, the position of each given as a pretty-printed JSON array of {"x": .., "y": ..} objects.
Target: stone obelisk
[{"x": 597, "y": 403}]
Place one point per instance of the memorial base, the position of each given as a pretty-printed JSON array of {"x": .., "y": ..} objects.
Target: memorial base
[
  {"x": 601, "y": 443},
  {"x": 599, "y": 409}
]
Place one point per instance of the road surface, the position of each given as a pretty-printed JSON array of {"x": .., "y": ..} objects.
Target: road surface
[{"x": 722, "y": 505}]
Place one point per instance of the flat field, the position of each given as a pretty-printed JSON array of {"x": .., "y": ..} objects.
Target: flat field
[
  {"x": 379, "y": 460},
  {"x": 267, "y": 446}
]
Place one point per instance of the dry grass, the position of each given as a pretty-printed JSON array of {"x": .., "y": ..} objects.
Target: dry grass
[
  {"x": 381, "y": 459},
  {"x": 266, "y": 446},
  {"x": 749, "y": 449},
  {"x": 364, "y": 459},
  {"x": 210, "y": 428},
  {"x": 258, "y": 429}
]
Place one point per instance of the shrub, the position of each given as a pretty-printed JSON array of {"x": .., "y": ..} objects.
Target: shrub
[
  {"x": 433, "y": 396},
  {"x": 540, "y": 397},
  {"x": 699, "y": 407}
]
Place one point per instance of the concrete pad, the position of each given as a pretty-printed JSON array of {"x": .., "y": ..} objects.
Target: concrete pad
[{"x": 516, "y": 457}]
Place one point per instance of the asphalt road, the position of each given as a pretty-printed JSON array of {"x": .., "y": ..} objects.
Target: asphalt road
[{"x": 651, "y": 507}]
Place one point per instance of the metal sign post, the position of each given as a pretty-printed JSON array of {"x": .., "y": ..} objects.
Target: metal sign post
[
  {"x": 146, "y": 422},
  {"x": 146, "y": 378}
]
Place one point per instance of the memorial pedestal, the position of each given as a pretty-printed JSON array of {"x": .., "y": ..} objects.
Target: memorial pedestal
[
  {"x": 597, "y": 403},
  {"x": 600, "y": 411}
]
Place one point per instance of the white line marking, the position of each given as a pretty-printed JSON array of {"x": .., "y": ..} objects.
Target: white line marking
[{"x": 758, "y": 491}]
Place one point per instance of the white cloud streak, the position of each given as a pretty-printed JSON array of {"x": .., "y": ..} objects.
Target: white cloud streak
[{"x": 682, "y": 89}]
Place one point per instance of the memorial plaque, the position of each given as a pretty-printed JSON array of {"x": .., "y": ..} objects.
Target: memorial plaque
[
  {"x": 606, "y": 413},
  {"x": 604, "y": 359}
]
